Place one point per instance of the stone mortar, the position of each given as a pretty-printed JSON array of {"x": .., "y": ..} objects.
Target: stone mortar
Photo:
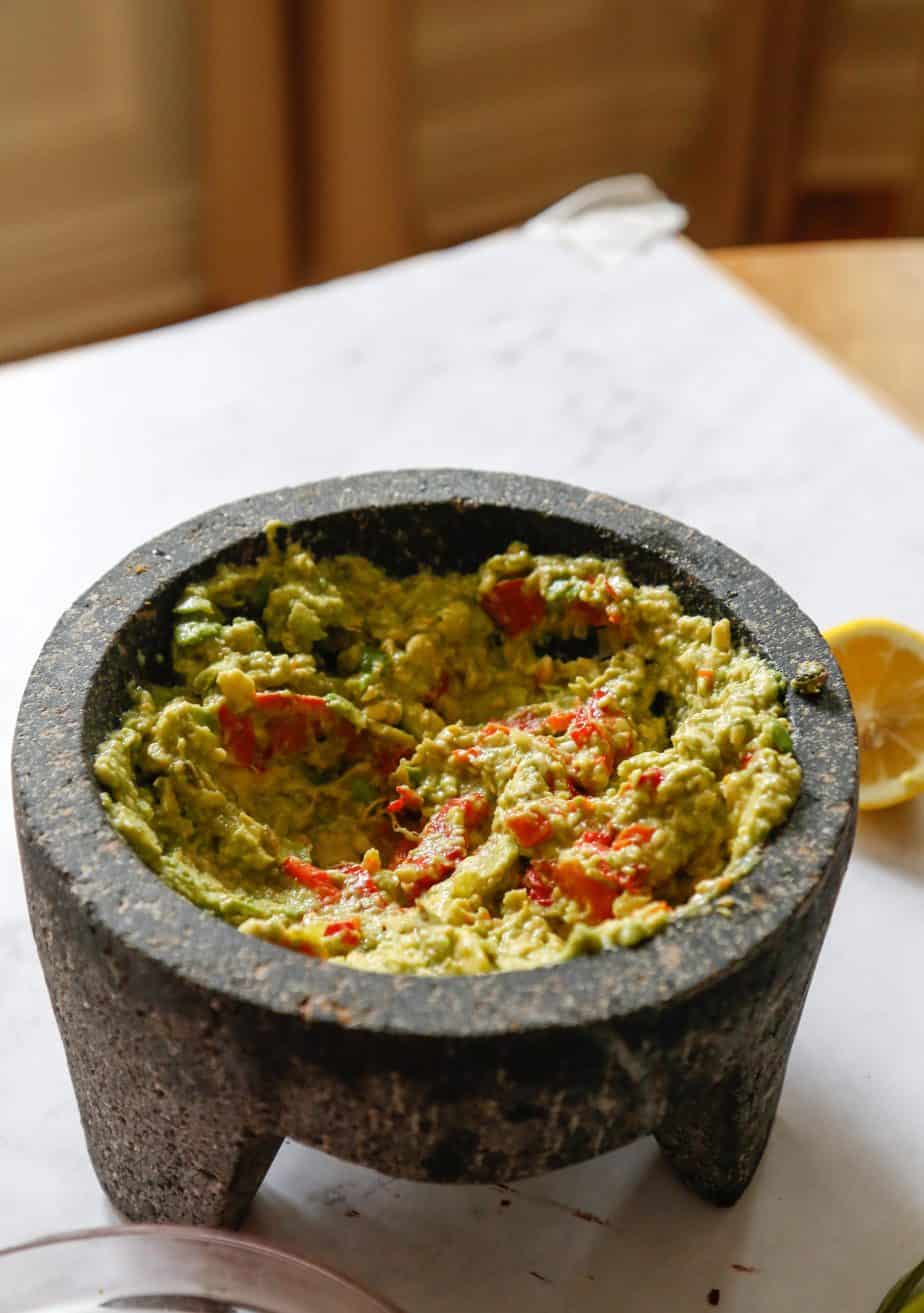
[{"x": 194, "y": 1049}]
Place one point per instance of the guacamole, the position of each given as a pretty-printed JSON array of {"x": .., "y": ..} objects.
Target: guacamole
[{"x": 449, "y": 773}]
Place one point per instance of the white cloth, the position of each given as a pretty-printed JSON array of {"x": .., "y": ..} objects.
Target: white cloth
[{"x": 656, "y": 380}]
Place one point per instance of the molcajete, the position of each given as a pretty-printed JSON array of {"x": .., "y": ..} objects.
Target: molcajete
[{"x": 194, "y": 1049}]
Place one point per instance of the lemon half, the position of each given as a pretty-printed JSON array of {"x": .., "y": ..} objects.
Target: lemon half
[{"x": 883, "y": 664}]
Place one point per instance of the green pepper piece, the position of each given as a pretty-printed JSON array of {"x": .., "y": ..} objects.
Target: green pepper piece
[
  {"x": 346, "y": 709},
  {"x": 195, "y": 604},
  {"x": 192, "y": 632},
  {"x": 372, "y": 660},
  {"x": 372, "y": 664},
  {"x": 779, "y": 737}
]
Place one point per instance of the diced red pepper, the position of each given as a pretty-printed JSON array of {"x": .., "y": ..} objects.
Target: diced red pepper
[
  {"x": 355, "y": 743},
  {"x": 494, "y": 727},
  {"x": 400, "y": 851},
  {"x": 525, "y": 719},
  {"x": 312, "y": 877},
  {"x": 238, "y": 735},
  {"x": 513, "y": 608},
  {"x": 558, "y": 721},
  {"x": 653, "y": 778},
  {"x": 442, "y": 842},
  {"x": 595, "y": 723},
  {"x": 588, "y": 614},
  {"x": 475, "y": 807},
  {"x": 347, "y": 930},
  {"x": 407, "y": 800},
  {"x": 387, "y": 760},
  {"x": 287, "y": 717},
  {"x": 596, "y": 895},
  {"x": 589, "y": 719},
  {"x": 358, "y": 881},
  {"x": 633, "y": 879},
  {"x": 596, "y": 613},
  {"x": 599, "y": 839},
  {"x": 583, "y": 727},
  {"x": 538, "y": 886},
  {"x": 275, "y": 701},
  {"x": 466, "y": 756},
  {"x": 288, "y": 735},
  {"x": 529, "y": 828},
  {"x": 606, "y": 841},
  {"x": 746, "y": 759},
  {"x": 444, "y": 839},
  {"x": 632, "y": 834}
]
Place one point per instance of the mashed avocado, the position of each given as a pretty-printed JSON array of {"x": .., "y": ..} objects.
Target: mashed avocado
[{"x": 448, "y": 773}]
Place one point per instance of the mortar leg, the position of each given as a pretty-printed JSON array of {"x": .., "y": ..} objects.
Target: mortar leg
[
  {"x": 714, "y": 1134},
  {"x": 169, "y": 1100},
  {"x": 728, "y": 1073},
  {"x": 175, "y": 1099},
  {"x": 172, "y": 1135},
  {"x": 173, "y": 1104},
  {"x": 189, "y": 1175},
  {"x": 175, "y": 1130}
]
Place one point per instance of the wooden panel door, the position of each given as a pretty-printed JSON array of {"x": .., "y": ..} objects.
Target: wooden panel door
[
  {"x": 99, "y": 185},
  {"x": 430, "y": 121},
  {"x": 843, "y": 149},
  {"x": 518, "y": 103}
]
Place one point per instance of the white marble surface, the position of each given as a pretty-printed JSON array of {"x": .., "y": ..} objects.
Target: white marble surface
[{"x": 659, "y": 382}]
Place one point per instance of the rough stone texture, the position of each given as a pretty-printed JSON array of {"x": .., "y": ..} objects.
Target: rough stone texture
[{"x": 194, "y": 1049}]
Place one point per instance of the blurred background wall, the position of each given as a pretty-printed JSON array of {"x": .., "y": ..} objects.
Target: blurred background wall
[{"x": 161, "y": 158}]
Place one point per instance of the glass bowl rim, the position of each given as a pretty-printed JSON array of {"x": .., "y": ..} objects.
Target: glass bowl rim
[{"x": 208, "y": 1237}]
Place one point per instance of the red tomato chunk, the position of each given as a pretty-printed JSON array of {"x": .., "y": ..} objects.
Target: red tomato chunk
[{"x": 512, "y": 608}]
